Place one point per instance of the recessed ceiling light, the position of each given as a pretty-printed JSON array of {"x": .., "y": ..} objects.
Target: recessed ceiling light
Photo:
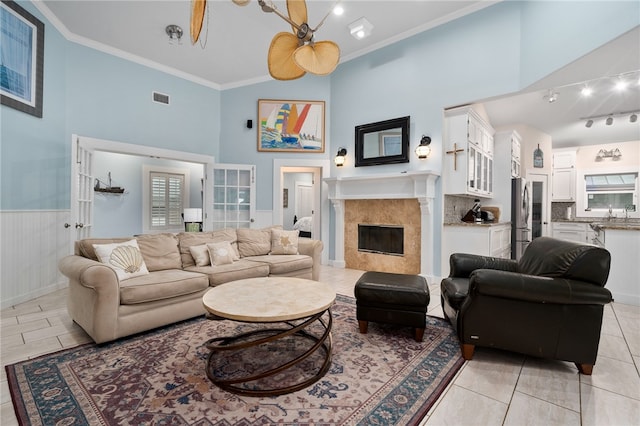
[
  {"x": 621, "y": 85},
  {"x": 586, "y": 92}
]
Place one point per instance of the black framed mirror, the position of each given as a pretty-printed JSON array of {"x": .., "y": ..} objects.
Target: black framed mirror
[{"x": 384, "y": 142}]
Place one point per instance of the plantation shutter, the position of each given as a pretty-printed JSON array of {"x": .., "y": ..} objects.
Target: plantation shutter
[{"x": 166, "y": 200}]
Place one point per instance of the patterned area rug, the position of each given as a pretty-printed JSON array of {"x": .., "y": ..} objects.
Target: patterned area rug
[{"x": 383, "y": 377}]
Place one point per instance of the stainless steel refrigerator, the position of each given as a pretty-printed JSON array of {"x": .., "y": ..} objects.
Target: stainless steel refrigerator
[{"x": 520, "y": 214}]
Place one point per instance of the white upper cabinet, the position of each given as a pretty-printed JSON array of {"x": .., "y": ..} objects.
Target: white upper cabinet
[
  {"x": 564, "y": 176},
  {"x": 468, "y": 159}
]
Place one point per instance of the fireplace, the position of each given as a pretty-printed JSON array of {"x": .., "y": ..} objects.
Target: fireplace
[
  {"x": 399, "y": 199},
  {"x": 381, "y": 239}
]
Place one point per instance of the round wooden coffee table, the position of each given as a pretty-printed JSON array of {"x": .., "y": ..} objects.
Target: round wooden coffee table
[{"x": 298, "y": 306}]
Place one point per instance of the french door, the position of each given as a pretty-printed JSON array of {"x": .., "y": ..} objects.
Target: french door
[
  {"x": 81, "y": 190},
  {"x": 234, "y": 195}
]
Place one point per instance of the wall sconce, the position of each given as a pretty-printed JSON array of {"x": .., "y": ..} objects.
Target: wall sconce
[
  {"x": 423, "y": 150},
  {"x": 614, "y": 154},
  {"x": 340, "y": 157},
  {"x": 175, "y": 34}
]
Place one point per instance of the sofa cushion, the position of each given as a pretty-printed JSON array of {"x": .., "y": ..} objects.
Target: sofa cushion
[
  {"x": 284, "y": 264},
  {"x": 188, "y": 239},
  {"x": 284, "y": 242},
  {"x": 160, "y": 285},
  {"x": 125, "y": 258},
  {"x": 234, "y": 271},
  {"x": 254, "y": 242},
  {"x": 160, "y": 251},
  {"x": 200, "y": 254}
]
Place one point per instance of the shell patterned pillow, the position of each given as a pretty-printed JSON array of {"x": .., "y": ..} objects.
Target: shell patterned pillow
[
  {"x": 125, "y": 258},
  {"x": 284, "y": 242}
]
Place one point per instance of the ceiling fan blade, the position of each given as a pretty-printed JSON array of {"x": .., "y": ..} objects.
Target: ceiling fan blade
[
  {"x": 297, "y": 12},
  {"x": 241, "y": 2},
  {"x": 280, "y": 59},
  {"x": 319, "y": 58},
  {"x": 197, "y": 17}
]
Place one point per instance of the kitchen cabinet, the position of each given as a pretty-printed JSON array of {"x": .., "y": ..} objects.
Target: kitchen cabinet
[
  {"x": 507, "y": 154},
  {"x": 469, "y": 140},
  {"x": 486, "y": 240},
  {"x": 564, "y": 176},
  {"x": 579, "y": 232}
]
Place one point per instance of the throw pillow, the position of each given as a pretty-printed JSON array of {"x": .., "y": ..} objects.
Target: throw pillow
[
  {"x": 125, "y": 258},
  {"x": 221, "y": 253},
  {"x": 200, "y": 254},
  {"x": 284, "y": 242}
]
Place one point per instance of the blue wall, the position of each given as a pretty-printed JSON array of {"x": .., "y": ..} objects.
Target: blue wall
[
  {"x": 498, "y": 50},
  {"x": 94, "y": 94}
]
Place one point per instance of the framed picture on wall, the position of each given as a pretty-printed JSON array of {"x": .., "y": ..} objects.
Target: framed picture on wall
[
  {"x": 290, "y": 126},
  {"x": 21, "y": 69}
]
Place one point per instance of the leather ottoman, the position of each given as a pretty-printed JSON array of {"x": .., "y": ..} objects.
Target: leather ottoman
[{"x": 393, "y": 299}]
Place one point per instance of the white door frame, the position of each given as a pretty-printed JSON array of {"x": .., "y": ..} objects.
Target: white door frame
[
  {"x": 321, "y": 170},
  {"x": 94, "y": 144}
]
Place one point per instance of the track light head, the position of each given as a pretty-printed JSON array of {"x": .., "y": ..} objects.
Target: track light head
[
  {"x": 633, "y": 118},
  {"x": 588, "y": 124},
  {"x": 609, "y": 121}
]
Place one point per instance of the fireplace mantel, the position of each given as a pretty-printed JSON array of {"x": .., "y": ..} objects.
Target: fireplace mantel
[
  {"x": 410, "y": 184},
  {"x": 418, "y": 185}
]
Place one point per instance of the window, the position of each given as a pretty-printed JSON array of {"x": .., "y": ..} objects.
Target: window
[
  {"x": 616, "y": 191},
  {"x": 167, "y": 194}
]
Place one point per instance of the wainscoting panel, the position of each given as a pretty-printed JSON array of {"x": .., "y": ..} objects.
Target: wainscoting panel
[{"x": 31, "y": 244}]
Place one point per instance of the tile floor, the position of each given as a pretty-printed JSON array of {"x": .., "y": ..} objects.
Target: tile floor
[{"x": 495, "y": 388}]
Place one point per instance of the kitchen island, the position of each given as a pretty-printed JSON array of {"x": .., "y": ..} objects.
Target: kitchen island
[{"x": 622, "y": 239}]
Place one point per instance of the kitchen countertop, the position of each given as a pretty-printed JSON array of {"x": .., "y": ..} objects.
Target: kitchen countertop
[
  {"x": 486, "y": 224},
  {"x": 617, "y": 224}
]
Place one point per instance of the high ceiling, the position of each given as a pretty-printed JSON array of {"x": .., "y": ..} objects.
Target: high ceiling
[{"x": 236, "y": 40}]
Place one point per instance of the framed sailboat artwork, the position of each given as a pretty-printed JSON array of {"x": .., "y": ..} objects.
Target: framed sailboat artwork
[{"x": 290, "y": 126}]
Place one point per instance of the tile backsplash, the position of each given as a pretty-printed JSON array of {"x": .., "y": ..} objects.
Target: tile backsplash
[{"x": 456, "y": 207}]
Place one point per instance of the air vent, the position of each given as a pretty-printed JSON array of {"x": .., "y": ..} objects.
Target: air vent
[{"x": 160, "y": 98}]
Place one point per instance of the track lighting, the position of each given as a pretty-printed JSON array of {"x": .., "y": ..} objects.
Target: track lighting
[{"x": 608, "y": 118}]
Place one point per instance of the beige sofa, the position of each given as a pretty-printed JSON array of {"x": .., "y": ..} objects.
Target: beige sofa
[{"x": 108, "y": 307}]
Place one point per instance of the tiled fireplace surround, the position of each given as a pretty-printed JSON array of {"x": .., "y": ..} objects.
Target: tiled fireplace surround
[{"x": 391, "y": 199}]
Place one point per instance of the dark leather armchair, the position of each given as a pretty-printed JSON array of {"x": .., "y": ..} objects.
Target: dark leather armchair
[{"x": 549, "y": 304}]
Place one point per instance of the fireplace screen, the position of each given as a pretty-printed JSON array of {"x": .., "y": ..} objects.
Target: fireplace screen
[{"x": 384, "y": 239}]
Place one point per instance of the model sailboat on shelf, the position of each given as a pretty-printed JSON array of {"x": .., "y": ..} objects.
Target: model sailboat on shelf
[{"x": 107, "y": 188}]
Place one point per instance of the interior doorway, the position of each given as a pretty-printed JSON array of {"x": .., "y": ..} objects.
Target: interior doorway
[{"x": 300, "y": 188}]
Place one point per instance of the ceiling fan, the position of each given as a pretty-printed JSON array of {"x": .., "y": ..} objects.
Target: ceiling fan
[{"x": 292, "y": 55}]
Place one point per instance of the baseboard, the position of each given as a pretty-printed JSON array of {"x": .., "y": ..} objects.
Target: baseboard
[{"x": 9, "y": 302}]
